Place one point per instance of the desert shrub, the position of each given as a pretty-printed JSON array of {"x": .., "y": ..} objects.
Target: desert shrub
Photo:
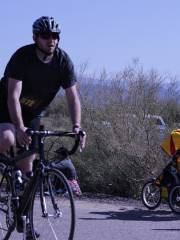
[{"x": 123, "y": 144}]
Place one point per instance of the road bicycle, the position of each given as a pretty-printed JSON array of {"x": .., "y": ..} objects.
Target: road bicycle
[
  {"x": 32, "y": 206},
  {"x": 163, "y": 187}
]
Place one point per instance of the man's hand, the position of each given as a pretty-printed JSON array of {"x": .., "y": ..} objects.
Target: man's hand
[
  {"x": 77, "y": 129},
  {"x": 22, "y": 137}
]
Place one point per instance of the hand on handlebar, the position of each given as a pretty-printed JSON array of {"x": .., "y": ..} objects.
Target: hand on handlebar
[
  {"x": 82, "y": 133},
  {"x": 82, "y": 140},
  {"x": 22, "y": 137},
  {"x": 78, "y": 134}
]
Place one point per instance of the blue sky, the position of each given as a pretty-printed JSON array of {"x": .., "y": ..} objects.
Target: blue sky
[{"x": 102, "y": 33}]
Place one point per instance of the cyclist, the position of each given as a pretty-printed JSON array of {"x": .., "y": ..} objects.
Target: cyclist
[{"x": 32, "y": 78}]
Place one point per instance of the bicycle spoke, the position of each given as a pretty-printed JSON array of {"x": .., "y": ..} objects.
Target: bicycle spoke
[
  {"x": 55, "y": 217},
  {"x": 53, "y": 231},
  {"x": 151, "y": 195},
  {"x": 5, "y": 212}
]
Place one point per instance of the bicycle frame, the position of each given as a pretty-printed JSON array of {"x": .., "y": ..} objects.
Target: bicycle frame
[{"x": 22, "y": 205}]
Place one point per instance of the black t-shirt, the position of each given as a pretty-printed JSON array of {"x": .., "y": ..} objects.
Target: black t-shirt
[{"x": 41, "y": 81}]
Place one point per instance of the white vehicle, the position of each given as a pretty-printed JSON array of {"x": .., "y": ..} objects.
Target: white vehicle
[
  {"x": 157, "y": 120},
  {"x": 140, "y": 125}
]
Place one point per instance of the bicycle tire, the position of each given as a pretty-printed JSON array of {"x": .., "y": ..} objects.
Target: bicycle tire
[
  {"x": 151, "y": 195},
  {"x": 52, "y": 215},
  {"x": 6, "y": 214},
  {"x": 174, "y": 199}
]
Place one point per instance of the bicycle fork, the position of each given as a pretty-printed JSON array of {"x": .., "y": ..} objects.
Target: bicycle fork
[{"x": 43, "y": 201}]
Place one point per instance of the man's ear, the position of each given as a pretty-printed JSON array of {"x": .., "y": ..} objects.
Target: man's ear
[{"x": 34, "y": 37}]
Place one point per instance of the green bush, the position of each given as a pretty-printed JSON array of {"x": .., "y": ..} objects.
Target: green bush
[{"x": 120, "y": 155}]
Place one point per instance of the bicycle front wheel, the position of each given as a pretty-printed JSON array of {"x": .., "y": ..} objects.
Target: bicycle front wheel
[
  {"x": 52, "y": 214},
  {"x": 151, "y": 195},
  {"x": 6, "y": 214}
]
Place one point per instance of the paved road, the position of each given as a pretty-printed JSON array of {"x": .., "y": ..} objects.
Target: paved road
[
  {"x": 122, "y": 220},
  {"x": 126, "y": 221}
]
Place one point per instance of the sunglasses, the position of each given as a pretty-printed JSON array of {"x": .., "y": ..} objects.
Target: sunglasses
[{"x": 49, "y": 35}]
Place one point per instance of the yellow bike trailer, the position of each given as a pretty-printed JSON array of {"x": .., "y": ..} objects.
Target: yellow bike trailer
[{"x": 172, "y": 143}]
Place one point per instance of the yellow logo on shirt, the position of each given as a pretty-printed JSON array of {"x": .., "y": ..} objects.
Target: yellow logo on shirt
[{"x": 29, "y": 102}]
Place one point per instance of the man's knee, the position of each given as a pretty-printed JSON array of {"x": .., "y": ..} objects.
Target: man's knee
[{"x": 7, "y": 136}]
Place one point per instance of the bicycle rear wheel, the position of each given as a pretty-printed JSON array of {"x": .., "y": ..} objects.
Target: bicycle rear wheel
[
  {"x": 174, "y": 199},
  {"x": 52, "y": 215},
  {"x": 6, "y": 215}
]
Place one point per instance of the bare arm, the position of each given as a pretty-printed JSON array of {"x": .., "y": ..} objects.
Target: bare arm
[
  {"x": 14, "y": 92},
  {"x": 75, "y": 112},
  {"x": 74, "y": 105}
]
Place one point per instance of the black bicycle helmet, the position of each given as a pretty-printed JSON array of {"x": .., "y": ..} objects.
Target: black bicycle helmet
[{"x": 45, "y": 24}]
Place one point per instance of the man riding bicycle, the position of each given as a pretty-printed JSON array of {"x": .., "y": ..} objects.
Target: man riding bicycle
[{"x": 32, "y": 78}]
